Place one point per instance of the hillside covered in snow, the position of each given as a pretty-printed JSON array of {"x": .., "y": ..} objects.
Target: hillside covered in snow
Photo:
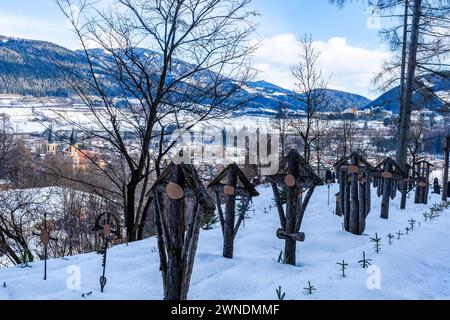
[{"x": 414, "y": 267}]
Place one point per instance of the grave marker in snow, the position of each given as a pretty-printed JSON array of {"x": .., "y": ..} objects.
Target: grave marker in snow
[
  {"x": 387, "y": 179},
  {"x": 445, "y": 182},
  {"x": 108, "y": 225},
  {"x": 353, "y": 199},
  {"x": 45, "y": 239},
  {"x": 231, "y": 183},
  {"x": 422, "y": 188},
  {"x": 180, "y": 200},
  {"x": 295, "y": 176}
]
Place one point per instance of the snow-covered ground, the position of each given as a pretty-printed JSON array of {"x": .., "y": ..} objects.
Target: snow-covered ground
[{"x": 415, "y": 267}]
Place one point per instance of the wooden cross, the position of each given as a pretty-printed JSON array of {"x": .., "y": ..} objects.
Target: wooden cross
[
  {"x": 353, "y": 201},
  {"x": 45, "y": 239},
  {"x": 296, "y": 177}
]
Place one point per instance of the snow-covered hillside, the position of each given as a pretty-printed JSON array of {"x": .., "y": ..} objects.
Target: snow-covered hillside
[{"x": 415, "y": 267}]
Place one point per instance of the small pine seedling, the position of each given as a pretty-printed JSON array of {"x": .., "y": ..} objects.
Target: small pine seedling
[
  {"x": 377, "y": 241},
  {"x": 343, "y": 267},
  {"x": 407, "y": 230},
  {"x": 425, "y": 216},
  {"x": 390, "y": 237},
  {"x": 4, "y": 284},
  {"x": 280, "y": 295},
  {"x": 412, "y": 223},
  {"x": 365, "y": 263},
  {"x": 399, "y": 234},
  {"x": 310, "y": 288}
]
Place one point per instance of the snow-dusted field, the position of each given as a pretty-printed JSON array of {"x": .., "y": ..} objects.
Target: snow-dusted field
[{"x": 415, "y": 267}]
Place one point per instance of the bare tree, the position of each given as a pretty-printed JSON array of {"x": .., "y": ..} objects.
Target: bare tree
[
  {"x": 415, "y": 138},
  {"x": 421, "y": 40},
  {"x": 280, "y": 123},
  {"x": 311, "y": 93},
  {"x": 171, "y": 64}
]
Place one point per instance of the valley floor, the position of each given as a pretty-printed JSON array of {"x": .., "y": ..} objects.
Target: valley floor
[{"x": 415, "y": 267}]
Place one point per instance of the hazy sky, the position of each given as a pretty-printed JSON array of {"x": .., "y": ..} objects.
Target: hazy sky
[{"x": 351, "y": 50}]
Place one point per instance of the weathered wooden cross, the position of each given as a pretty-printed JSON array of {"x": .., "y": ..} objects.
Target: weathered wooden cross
[
  {"x": 353, "y": 199},
  {"x": 295, "y": 177},
  {"x": 179, "y": 201},
  {"x": 445, "y": 182},
  {"x": 236, "y": 184},
  {"x": 387, "y": 180},
  {"x": 422, "y": 188}
]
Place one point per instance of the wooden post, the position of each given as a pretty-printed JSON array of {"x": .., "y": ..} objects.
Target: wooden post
[
  {"x": 230, "y": 214},
  {"x": 426, "y": 189},
  {"x": 175, "y": 219},
  {"x": 362, "y": 208},
  {"x": 354, "y": 203},
  {"x": 342, "y": 183},
  {"x": 368, "y": 193},
  {"x": 404, "y": 190},
  {"x": 446, "y": 164},
  {"x": 417, "y": 192},
  {"x": 347, "y": 204},
  {"x": 291, "y": 214},
  {"x": 387, "y": 184}
]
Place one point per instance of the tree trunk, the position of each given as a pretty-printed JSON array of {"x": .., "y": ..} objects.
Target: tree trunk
[
  {"x": 403, "y": 63},
  {"x": 130, "y": 211},
  {"x": 143, "y": 221},
  {"x": 405, "y": 121}
]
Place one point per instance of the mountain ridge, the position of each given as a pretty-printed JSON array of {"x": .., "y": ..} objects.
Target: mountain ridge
[{"x": 32, "y": 67}]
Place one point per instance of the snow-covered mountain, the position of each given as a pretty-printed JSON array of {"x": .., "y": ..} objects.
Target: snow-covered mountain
[
  {"x": 32, "y": 67},
  {"x": 423, "y": 99}
]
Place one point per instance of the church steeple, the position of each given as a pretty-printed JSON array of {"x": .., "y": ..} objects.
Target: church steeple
[
  {"x": 50, "y": 138},
  {"x": 73, "y": 145},
  {"x": 73, "y": 138},
  {"x": 51, "y": 145}
]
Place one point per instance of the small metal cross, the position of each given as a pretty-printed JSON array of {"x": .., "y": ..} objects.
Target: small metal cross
[{"x": 45, "y": 239}]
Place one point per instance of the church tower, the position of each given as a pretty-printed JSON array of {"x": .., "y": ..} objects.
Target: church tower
[
  {"x": 73, "y": 144},
  {"x": 51, "y": 145}
]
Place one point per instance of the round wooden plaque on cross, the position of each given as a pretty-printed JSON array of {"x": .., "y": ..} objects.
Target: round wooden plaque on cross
[
  {"x": 289, "y": 180},
  {"x": 106, "y": 230},
  {"x": 229, "y": 190},
  {"x": 422, "y": 184},
  {"x": 45, "y": 237},
  {"x": 353, "y": 169},
  {"x": 387, "y": 175},
  {"x": 174, "y": 191}
]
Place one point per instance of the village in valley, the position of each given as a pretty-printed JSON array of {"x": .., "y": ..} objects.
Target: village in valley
[{"x": 153, "y": 162}]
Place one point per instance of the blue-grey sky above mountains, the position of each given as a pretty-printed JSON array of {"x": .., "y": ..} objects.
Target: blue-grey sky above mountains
[{"x": 351, "y": 50}]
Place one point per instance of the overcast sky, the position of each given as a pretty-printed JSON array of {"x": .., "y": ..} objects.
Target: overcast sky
[{"x": 347, "y": 38}]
